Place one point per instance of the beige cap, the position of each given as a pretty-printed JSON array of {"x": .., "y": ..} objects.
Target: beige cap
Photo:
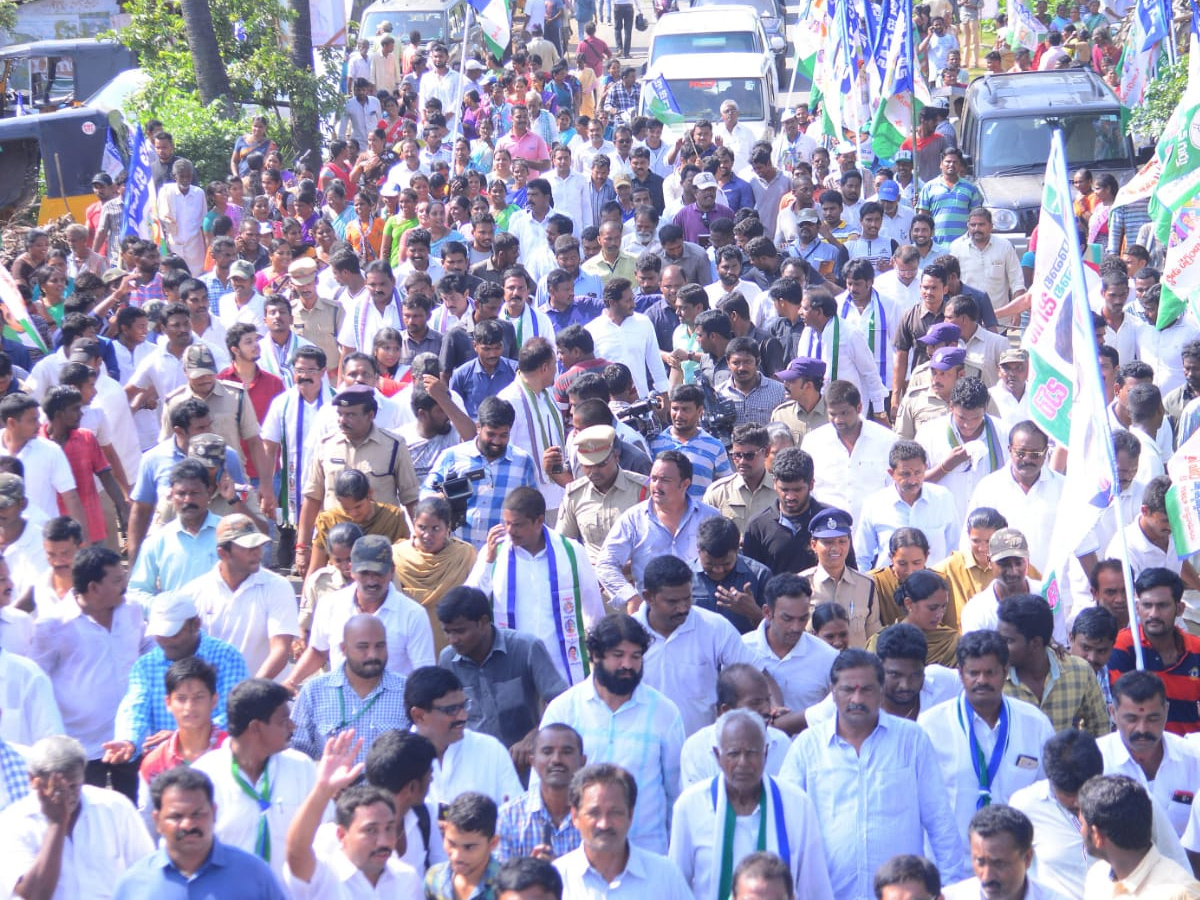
[
  {"x": 1008, "y": 543},
  {"x": 595, "y": 444},
  {"x": 303, "y": 271},
  {"x": 242, "y": 531},
  {"x": 1014, "y": 355}
]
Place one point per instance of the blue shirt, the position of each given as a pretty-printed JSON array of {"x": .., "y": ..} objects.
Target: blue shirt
[
  {"x": 326, "y": 706},
  {"x": 707, "y": 453},
  {"x": 580, "y": 312},
  {"x": 949, "y": 206},
  {"x": 171, "y": 557},
  {"x": 512, "y": 470},
  {"x": 522, "y": 823},
  {"x": 154, "y": 474},
  {"x": 143, "y": 709},
  {"x": 475, "y": 385},
  {"x": 228, "y": 873}
]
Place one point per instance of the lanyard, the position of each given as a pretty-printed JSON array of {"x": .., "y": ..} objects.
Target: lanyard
[
  {"x": 262, "y": 837},
  {"x": 837, "y": 337},
  {"x": 985, "y": 770},
  {"x": 993, "y": 442},
  {"x": 346, "y": 723}
]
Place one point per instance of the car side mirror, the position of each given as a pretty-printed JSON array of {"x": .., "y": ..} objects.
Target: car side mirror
[
  {"x": 968, "y": 163},
  {"x": 777, "y": 44}
]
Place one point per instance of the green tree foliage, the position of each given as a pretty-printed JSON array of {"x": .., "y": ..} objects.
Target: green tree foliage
[{"x": 1162, "y": 96}]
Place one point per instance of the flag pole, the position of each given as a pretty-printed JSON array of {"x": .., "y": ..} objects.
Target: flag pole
[
  {"x": 462, "y": 78},
  {"x": 913, "y": 76},
  {"x": 1130, "y": 600}
]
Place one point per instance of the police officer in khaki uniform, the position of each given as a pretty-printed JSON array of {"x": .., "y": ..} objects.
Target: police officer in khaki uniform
[
  {"x": 357, "y": 444},
  {"x": 315, "y": 319},
  {"x": 226, "y": 496},
  {"x": 943, "y": 334},
  {"x": 804, "y": 409},
  {"x": 834, "y": 581},
  {"x": 593, "y": 503},
  {"x": 926, "y": 404},
  {"x": 750, "y": 489},
  {"x": 233, "y": 416}
]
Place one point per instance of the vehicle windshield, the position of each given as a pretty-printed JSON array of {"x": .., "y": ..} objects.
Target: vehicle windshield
[
  {"x": 702, "y": 98},
  {"x": 43, "y": 79},
  {"x": 683, "y": 44},
  {"x": 765, "y": 8},
  {"x": 1024, "y": 143},
  {"x": 405, "y": 21},
  {"x": 117, "y": 92}
]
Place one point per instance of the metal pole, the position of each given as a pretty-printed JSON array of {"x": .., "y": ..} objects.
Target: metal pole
[{"x": 462, "y": 79}]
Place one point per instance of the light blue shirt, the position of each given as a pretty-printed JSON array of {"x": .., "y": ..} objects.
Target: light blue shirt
[
  {"x": 228, "y": 873},
  {"x": 876, "y": 803},
  {"x": 883, "y": 512},
  {"x": 171, "y": 557}
]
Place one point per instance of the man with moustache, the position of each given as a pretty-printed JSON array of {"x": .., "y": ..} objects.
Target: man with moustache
[
  {"x": 545, "y": 809},
  {"x": 1001, "y": 843}
]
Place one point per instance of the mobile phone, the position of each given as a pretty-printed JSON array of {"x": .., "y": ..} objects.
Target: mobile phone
[{"x": 548, "y": 835}]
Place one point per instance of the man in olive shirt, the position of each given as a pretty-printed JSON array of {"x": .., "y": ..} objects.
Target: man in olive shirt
[
  {"x": 592, "y": 504},
  {"x": 805, "y": 409},
  {"x": 750, "y": 490}
]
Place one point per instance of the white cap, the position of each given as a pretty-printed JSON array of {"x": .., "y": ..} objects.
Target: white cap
[
  {"x": 704, "y": 180},
  {"x": 168, "y": 613}
]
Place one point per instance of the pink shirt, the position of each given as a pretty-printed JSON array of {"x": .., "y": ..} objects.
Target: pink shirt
[{"x": 531, "y": 146}]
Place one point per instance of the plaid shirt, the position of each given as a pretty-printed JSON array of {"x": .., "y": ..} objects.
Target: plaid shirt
[
  {"x": 621, "y": 98},
  {"x": 325, "y": 706},
  {"x": 755, "y": 407},
  {"x": 216, "y": 290},
  {"x": 513, "y": 470},
  {"x": 522, "y": 822},
  {"x": 143, "y": 710},
  {"x": 143, "y": 294},
  {"x": 439, "y": 882},
  {"x": 708, "y": 456},
  {"x": 1071, "y": 697},
  {"x": 14, "y": 777}
]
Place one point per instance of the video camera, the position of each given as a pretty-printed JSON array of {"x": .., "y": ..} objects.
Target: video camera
[
  {"x": 720, "y": 414},
  {"x": 641, "y": 417},
  {"x": 457, "y": 490}
]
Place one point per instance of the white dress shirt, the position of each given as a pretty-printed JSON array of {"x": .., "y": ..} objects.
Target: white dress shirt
[
  {"x": 326, "y": 843},
  {"x": 1175, "y": 783},
  {"x": 854, "y": 361},
  {"x": 646, "y": 875},
  {"x": 570, "y": 194},
  {"x": 902, "y": 296},
  {"x": 162, "y": 370},
  {"x": 634, "y": 343},
  {"x": 112, "y": 405},
  {"x": 644, "y": 736},
  {"x": 336, "y": 878},
  {"x": 698, "y": 763},
  {"x": 478, "y": 762},
  {"x": 28, "y": 710},
  {"x": 1010, "y": 408},
  {"x": 26, "y": 559},
  {"x": 896, "y": 227},
  {"x": 1163, "y": 350},
  {"x": 982, "y": 612},
  {"x": 970, "y": 890},
  {"x": 940, "y": 684},
  {"x": 409, "y": 634},
  {"x": 107, "y": 838},
  {"x": 696, "y": 840},
  {"x": 363, "y": 320},
  {"x": 291, "y": 776},
  {"x": 684, "y": 665},
  {"x": 1143, "y": 554},
  {"x": 877, "y": 323},
  {"x": 885, "y": 511},
  {"x": 802, "y": 675},
  {"x": 47, "y": 473},
  {"x": 844, "y": 477},
  {"x": 539, "y": 423},
  {"x": 1033, "y": 513},
  {"x": 260, "y": 608},
  {"x": 1020, "y": 762},
  {"x": 995, "y": 270},
  {"x": 883, "y": 800},
  {"x": 962, "y": 480}
]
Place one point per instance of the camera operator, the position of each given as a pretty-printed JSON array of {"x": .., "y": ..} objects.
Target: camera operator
[{"x": 589, "y": 414}]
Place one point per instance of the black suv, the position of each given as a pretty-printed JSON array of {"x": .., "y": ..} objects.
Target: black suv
[{"x": 1004, "y": 133}]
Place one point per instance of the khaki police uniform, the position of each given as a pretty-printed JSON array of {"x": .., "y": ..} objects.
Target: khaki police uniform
[
  {"x": 586, "y": 515},
  {"x": 384, "y": 459},
  {"x": 320, "y": 325},
  {"x": 233, "y": 416},
  {"x": 733, "y": 497},
  {"x": 855, "y": 592},
  {"x": 797, "y": 420},
  {"x": 917, "y": 408}
]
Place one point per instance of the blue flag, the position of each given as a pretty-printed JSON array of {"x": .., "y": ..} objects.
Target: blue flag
[
  {"x": 139, "y": 188},
  {"x": 663, "y": 105},
  {"x": 112, "y": 163},
  {"x": 1153, "y": 17}
]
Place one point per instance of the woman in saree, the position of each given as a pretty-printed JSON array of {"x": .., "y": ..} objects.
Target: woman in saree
[{"x": 925, "y": 596}]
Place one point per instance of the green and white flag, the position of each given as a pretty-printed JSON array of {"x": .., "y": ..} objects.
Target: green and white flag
[
  {"x": 1183, "y": 499},
  {"x": 495, "y": 19}
]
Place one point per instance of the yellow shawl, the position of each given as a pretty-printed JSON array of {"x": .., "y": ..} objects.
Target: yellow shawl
[{"x": 426, "y": 577}]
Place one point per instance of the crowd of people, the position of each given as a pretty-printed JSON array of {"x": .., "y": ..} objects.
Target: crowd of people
[{"x": 661, "y": 518}]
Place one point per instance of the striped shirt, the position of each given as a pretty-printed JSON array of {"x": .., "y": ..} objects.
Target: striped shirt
[
  {"x": 708, "y": 456},
  {"x": 327, "y": 706},
  {"x": 523, "y": 821},
  {"x": 755, "y": 406},
  {"x": 14, "y": 776},
  {"x": 1183, "y": 687},
  {"x": 949, "y": 205}
]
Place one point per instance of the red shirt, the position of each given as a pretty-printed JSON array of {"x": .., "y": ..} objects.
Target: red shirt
[
  {"x": 262, "y": 390},
  {"x": 87, "y": 461},
  {"x": 1182, "y": 680},
  {"x": 166, "y": 756}
]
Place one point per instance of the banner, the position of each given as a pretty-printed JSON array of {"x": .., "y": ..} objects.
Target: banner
[
  {"x": 139, "y": 189},
  {"x": 18, "y": 324},
  {"x": 496, "y": 22},
  {"x": 112, "y": 164},
  {"x": 1183, "y": 499},
  {"x": 1027, "y": 30},
  {"x": 662, "y": 104}
]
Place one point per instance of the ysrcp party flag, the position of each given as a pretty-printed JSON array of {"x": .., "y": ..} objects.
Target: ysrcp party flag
[
  {"x": 496, "y": 22},
  {"x": 663, "y": 105}
]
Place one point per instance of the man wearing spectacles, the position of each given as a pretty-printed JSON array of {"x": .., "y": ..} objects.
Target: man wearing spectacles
[{"x": 750, "y": 490}]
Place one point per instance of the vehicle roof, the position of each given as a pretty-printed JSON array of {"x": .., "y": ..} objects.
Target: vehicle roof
[
  {"x": 1024, "y": 92},
  {"x": 57, "y": 48},
  {"x": 703, "y": 18},
  {"x": 407, "y": 4},
  {"x": 700, "y": 65}
]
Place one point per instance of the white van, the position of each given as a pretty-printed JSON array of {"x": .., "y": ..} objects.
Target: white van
[
  {"x": 701, "y": 31},
  {"x": 748, "y": 78},
  {"x": 436, "y": 20}
]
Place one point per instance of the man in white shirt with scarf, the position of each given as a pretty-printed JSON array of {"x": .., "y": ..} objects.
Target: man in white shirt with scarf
[{"x": 539, "y": 423}]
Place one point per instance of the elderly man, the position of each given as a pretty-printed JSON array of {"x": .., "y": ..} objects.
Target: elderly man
[
  {"x": 707, "y": 850},
  {"x": 181, "y": 209}
]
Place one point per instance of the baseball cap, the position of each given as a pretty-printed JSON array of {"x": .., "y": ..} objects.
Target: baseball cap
[
  {"x": 787, "y": 115},
  {"x": 808, "y": 215},
  {"x": 903, "y": 156},
  {"x": 941, "y": 333},
  {"x": 241, "y": 530},
  {"x": 102, "y": 178},
  {"x": 199, "y": 360},
  {"x": 12, "y": 490},
  {"x": 845, "y": 147},
  {"x": 209, "y": 448},
  {"x": 391, "y": 189},
  {"x": 704, "y": 180},
  {"x": 594, "y": 444},
  {"x": 241, "y": 269},
  {"x": 474, "y": 65},
  {"x": 889, "y": 191},
  {"x": 624, "y": 179},
  {"x": 1006, "y": 544},
  {"x": 169, "y": 612},
  {"x": 112, "y": 276},
  {"x": 303, "y": 271},
  {"x": 371, "y": 553},
  {"x": 948, "y": 358},
  {"x": 84, "y": 350},
  {"x": 1014, "y": 355},
  {"x": 830, "y": 523},
  {"x": 803, "y": 367}
]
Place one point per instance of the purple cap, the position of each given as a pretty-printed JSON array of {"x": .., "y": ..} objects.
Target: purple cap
[
  {"x": 948, "y": 358},
  {"x": 941, "y": 333},
  {"x": 803, "y": 367}
]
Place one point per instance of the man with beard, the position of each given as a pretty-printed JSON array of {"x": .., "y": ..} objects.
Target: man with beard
[
  {"x": 545, "y": 809},
  {"x": 362, "y": 696},
  {"x": 505, "y": 468},
  {"x": 986, "y": 745},
  {"x": 626, "y": 723}
]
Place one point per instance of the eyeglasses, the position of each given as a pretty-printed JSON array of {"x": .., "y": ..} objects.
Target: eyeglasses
[
  {"x": 1027, "y": 454},
  {"x": 453, "y": 709},
  {"x": 739, "y": 455}
]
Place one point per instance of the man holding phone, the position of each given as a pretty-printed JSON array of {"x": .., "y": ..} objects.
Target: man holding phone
[{"x": 538, "y": 823}]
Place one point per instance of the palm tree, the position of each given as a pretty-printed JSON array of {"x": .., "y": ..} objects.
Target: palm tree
[
  {"x": 306, "y": 135},
  {"x": 211, "y": 77}
]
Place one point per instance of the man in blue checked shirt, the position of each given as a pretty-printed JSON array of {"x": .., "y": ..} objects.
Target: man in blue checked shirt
[
  {"x": 504, "y": 468},
  {"x": 545, "y": 809},
  {"x": 142, "y": 719},
  {"x": 707, "y": 453},
  {"x": 14, "y": 775}
]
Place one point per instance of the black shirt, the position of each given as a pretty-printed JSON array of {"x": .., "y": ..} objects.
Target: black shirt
[{"x": 779, "y": 548}]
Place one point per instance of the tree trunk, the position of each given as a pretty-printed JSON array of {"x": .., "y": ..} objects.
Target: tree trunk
[
  {"x": 306, "y": 134},
  {"x": 211, "y": 77}
]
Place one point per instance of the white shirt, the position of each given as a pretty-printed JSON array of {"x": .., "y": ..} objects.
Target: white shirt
[
  {"x": 855, "y": 363},
  {"x": 644, "y": 736},
  {"x": 1163, "y": 349},
  {"x": 1178, "y": 775},
  {"x": 802, "y": 675},
  {"x": 1010, "y": 408},
  {"x": 982, "y": 612},
  {"x": 883, "y": 512},
  {"x": 478, "y": 762},
  {"x": 1143, "y": 554},
  {"x": 903, "y": 296},
  {"x": 896, "y": 227},
  {"x": 685, "y": 664},
  {"x": 16, "y": 631},
  {"x": 326, "y": 841},
  {"x": 962, "y": 480},
  {"x": 112, "y": 405},
  {"x": 252, "y": 312},
  {"x": 876, "y": 803},
  {"x": 26, "y": 557},
  {"x": 739, "y": 139},
  {"x": 844, "y": 477},
  {"x": 89, "y": 667},
  {"x": 445, "y": 87},
  {"x": 28, "y": 710},
  {"x": 363, "y": 320},
  {"x": 877, "y": 323},
  {"x": 1060, "y": 861},
  {"x": 970, "y": 890},
  {"x": 127, "y": 360},
  {"x": 282, "y": 426},
  {"x": 336, "y": 878},
  {"x": 162, "y": 371},
  {"x": 262, "y": 607},
  {"x": 570, "y": 194},
  {"x": 940, "y": 684},
  {"x": 646, "y": 875},
  {"x": 698, "y": 763},
  {"x": 696, "y": 840},
  {"x": 633, "y": 342},
  {"x": 995, "y": 270},
  {"x": 582, "y": 156},
  {"x": 409, "y": 634},
  {"x": 1020, "y": 762},
  {"x": 1033, "y": 513},
  {"x": 291, "y": 775},
  {"x": 47, "y": 473},
  {"x": 538, "y": 426},
  {"x": 107, "y": 839},
  {"x": 761, "y": 309}
]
